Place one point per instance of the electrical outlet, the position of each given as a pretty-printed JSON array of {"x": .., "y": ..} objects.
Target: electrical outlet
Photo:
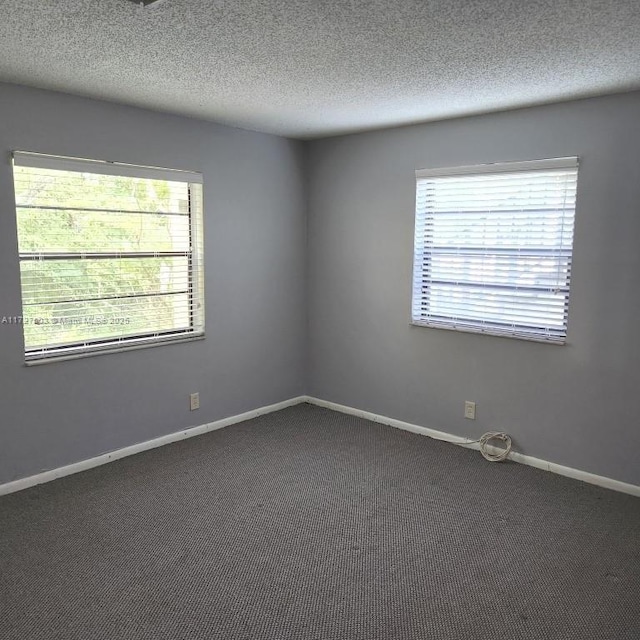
[
  {"x": 194, "y": 400},
  {"x": 469, "y": 410}
]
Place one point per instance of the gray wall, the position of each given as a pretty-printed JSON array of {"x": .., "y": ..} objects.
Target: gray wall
[
  {"x": 255, "y": 228},
  {"x": 574, "y": 405}
]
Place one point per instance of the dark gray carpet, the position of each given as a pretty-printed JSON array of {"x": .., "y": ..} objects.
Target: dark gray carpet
[{"x": 309, "y": 524}]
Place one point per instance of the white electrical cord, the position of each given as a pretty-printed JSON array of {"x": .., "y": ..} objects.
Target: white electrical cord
[
  {"x": 484, "y": 445},
  {"x": 484, "y": 439}
]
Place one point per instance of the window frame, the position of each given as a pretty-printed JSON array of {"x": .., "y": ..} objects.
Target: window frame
[
  {"x": 422, "y": 256},
  {"x": 194, "y": 255}
]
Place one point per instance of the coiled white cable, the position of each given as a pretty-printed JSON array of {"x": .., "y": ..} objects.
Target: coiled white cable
[
  {"x": 483, "y": 440},
  {"x": 484, "y": 446}
]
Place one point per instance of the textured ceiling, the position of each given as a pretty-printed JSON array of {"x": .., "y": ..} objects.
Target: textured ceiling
[{"x": 309, "y": 68}]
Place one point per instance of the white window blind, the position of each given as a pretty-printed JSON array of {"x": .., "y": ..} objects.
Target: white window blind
[
  {"x": 110, "y": 255},
  {"x": 493, "y": 248}
]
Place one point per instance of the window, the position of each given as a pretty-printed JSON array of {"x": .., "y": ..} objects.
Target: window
[
  {"x": 110, "y": 255},
  {"x": 493, "y": 246}
]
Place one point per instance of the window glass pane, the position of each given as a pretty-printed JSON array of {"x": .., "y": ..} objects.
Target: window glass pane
[
  {"x": 78, "y": 231},
  {"x": 507, "y": 307},
  {"x": 517, "y": 271},
  {"x": 537, "y": 228},
  {"x": 46, "y": 281},
  {"x": 56, "y": 324},
  {"x": 72, "y": 189}
]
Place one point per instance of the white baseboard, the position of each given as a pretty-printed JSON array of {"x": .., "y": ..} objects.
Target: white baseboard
[
  {"x": 569, "y": 472},
  {"x": 190, "y": 432},
  {"x": 47, "y": 476}
]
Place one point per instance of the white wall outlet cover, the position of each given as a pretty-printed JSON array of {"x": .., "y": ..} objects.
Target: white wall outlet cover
[{"x": 470, "y": 410}]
